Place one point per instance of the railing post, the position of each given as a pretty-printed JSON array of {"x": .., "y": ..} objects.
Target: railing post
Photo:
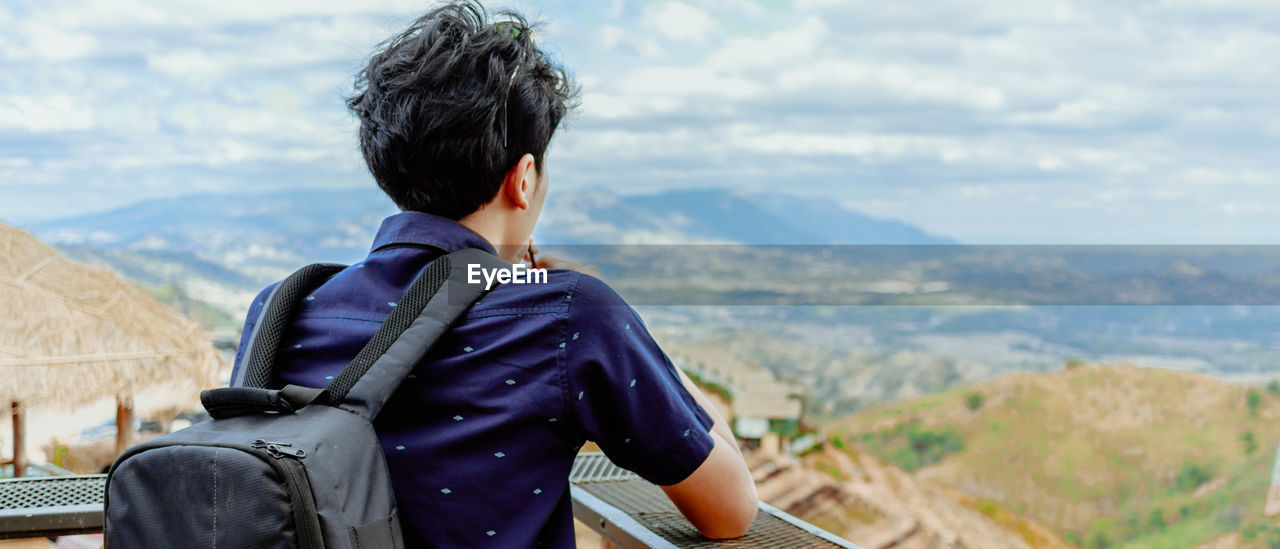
[
  {"x": 124, "y": 424},
  {"x": 19, "y": 441}
]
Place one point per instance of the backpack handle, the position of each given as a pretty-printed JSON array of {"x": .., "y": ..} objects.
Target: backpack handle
[{"x": 238, "y": 401}]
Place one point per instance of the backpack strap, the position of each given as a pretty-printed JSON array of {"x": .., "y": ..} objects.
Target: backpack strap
[
  {"x": 259, "y": 357},
  {"x": 438, "y": 297}
]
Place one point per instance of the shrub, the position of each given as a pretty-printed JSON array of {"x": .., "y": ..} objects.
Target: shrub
[
  {"x": 912, "y": 447},
  {"x": 1074, "y": 362},
  {"x": 1250, "y": 443},
  {"x": 973, "y": 401},
  {"x": 1098, "y": 540},
  {"x": 1253, "y": 399},
  {"x": 1274, "y": 387},
  {"x": 1192, "y": 475},
  {"x": 1074, "y": 539},
  {"x": 1156, "y": 520}
]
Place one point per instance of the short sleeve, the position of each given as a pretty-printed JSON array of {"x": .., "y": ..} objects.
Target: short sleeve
[
  {"x": 626, "y": 392},
  {"x": 250, "y": 320}
]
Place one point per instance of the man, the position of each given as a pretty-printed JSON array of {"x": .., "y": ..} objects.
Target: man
[{"x": 455, "y": 117}]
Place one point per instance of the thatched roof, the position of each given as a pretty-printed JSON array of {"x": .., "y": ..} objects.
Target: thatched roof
[{"x": 72, "y": 334}]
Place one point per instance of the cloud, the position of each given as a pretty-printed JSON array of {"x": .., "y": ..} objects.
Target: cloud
[
  {"x": 987, "y": 120},
  {"x": 680, "y": 22},
  {"x": 55, "y": 113}
]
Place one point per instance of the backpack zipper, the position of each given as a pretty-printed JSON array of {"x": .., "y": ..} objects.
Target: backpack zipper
[
  {"x": 295, "y": 476},
  {"x": 279, "y": 449}
]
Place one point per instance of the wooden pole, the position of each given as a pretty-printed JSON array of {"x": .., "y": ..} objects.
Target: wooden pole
[
  {"x": 19, "y": 442},
  {"x": 124, "y": 425}
]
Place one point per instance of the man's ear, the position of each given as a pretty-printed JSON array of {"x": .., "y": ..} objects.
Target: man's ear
[{"x": 521, "y": 182}]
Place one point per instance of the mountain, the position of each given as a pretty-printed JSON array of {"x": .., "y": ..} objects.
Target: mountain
[
  {"x": 313, "y": 218},
  {"x": 223, "y": 248},
  {"x": 1106, "y": 455},
  {"x": 831, "y": 223},
  {"x": 715, "y": 216}
]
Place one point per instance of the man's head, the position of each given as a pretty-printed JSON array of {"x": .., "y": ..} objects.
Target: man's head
[{"x": 456, "y": 108}]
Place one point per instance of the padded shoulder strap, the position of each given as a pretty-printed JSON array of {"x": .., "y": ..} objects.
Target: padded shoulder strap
[
  {"x": 438, "y": 297},
  {"x": 259, "y": 356}
]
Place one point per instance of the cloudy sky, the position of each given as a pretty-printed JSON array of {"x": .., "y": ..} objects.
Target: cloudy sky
[{"x": 988, "y": 121}]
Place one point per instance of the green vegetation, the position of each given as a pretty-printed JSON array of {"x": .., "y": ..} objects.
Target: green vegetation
[
  {"x": 913, "y": 447},
  {"x": 1156, "y": 520},
  {"x": 1250, "y": 442},
  {"x": 711, "y": 386},
  {"x": 785, "y": 427},
  {"x": 1234, "y": 504},
  {"x": 1116, "y": 457},
  {"x": 1074, "y": 362},
  {"x": 1253, "y": 398},
  {"x": 206, "y": 315},
  {"x": 838, "y": 442},
  {"x": 1192, "y": 476},
  {"x": 1274, "y": 387},
  {"x": 1268, "y": 534},
  {"x": 973, "y": 401},
  {"x": 1098, "y": 540}
]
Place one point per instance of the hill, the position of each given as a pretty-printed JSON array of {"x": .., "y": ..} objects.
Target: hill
[
  {"x": 223, "y": 248},
  {"x": 863, "y": 499},
  {"x": 1106, "y": 455}
]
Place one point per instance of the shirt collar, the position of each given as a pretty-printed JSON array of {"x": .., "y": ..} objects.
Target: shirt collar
[{"x": 425, "y": 229}]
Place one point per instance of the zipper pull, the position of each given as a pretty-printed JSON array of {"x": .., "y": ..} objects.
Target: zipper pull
[
  {"x": 284, "y": 449},
  {"x": 280, "y": 449}
]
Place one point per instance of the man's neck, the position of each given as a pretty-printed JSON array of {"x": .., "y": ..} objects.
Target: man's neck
[{"x": 493, "y": 229}]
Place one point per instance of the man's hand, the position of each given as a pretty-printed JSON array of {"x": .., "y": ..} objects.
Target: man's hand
[{"x": 553, "y": 262}]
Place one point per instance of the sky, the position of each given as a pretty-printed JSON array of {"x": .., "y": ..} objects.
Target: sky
[{"x": 986, "y": 121}]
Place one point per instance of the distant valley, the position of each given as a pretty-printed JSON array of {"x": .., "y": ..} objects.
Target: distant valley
[
  {"x": 889, "y": 332},
  {"x": 772, "y": 277}
]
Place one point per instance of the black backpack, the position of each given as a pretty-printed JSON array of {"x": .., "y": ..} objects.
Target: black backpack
[{"x": 296, "y": 467}]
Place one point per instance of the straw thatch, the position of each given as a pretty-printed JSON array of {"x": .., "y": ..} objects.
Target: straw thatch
[{"x": 72, "y": 334}]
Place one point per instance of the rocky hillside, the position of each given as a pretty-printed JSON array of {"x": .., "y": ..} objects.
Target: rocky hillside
[
  {"x": 878, "y": 505},
  {"x": 1105, "y": 455}
]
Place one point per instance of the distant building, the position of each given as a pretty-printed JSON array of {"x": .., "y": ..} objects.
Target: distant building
[{"x": 767, "y": 412}]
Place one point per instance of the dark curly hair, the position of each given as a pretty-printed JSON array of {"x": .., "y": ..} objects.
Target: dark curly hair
[{"x": 449, "y": 106}]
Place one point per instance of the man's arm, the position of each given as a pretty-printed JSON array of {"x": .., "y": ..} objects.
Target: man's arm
[{"x": 719, "y": 498}]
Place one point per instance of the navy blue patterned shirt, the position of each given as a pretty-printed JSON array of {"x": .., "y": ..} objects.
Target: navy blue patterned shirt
[{"x": 481, "y": 436}]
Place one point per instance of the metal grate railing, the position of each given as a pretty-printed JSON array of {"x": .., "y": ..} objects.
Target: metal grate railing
[
  {"x": 622, "y": 507},
  {"x": 631, "y": 513},
  {"x": 39, "y": 492},
  {"x": 595, "y": 467},
  {"x": 49, "y": 506}
]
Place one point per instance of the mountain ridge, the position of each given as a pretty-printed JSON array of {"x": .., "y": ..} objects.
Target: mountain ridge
[{"x": 223, "y": 248}]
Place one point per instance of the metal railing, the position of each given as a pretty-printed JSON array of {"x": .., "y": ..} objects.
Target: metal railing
[
  {"x": 623, "y": 508},
  {"x": 39, "y": 507},
  {"x": 632, "y": 514}
]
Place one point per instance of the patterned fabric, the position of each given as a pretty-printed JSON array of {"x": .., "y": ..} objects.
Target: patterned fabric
[{"x": 481, "y": 436}]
